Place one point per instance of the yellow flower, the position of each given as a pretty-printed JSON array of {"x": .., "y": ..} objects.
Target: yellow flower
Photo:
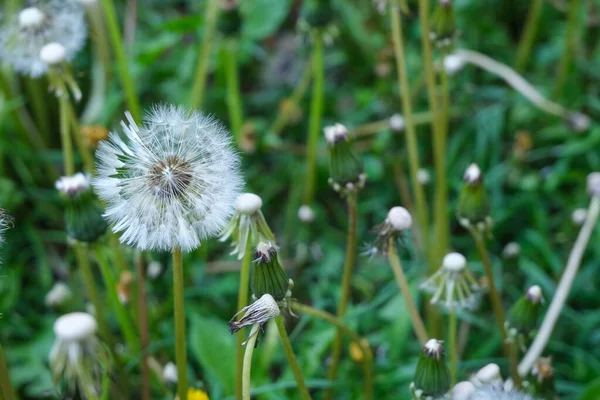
[
  {"x": 196, "y": 394},
  {"x": 356, "y": 353}
]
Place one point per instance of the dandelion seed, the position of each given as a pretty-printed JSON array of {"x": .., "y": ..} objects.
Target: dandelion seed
[
  {"x": 25, "y": 35},
  {"x": 171, "y": 182}
]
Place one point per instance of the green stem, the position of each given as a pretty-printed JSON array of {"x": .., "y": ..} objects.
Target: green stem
[
  {"x": 117, "y": 252},
  {"x": 129, "y": 332},
  {"x": 293, "y": 363},
  {"x": 6, "y": 390},
  {"x": 242, "y": 302},
  {"x": 362, "y": 342},
  {"x": 411, "y": 136},
  {"x": 86, "y": 155},
  {"x": 346, "y": 286},
  {"x": 143, "y": 323},
  {"x": 40, "y": 108},
  {"x": 234, "y": 105},
  {"x": 247, "y": 365},
  {"x": 99, "y": 37},
  {"x": 567, "y": 56},
  {"x": 412, "y": 309},
  {"x": 65, "y": 136},
  {"x": 526, "y": 42},
  {"x": 210, "y": 18},
  {"x": 117, "y": 44},
  {"x": 452, "y": 330},
  {"x": 316, "y": 111},
  {"x": 497, "y": 305},
  {"x": 180, "y": 348}
]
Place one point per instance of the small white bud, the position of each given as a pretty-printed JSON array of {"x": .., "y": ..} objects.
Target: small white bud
[
  {"x": 489, "y": 374},
  {"x": 74, "y": 184},
  {"x": 453, "y": 63},
  {"x": 593, "y": 184},
  {"x": 53, "y": 53},
  {"x": 31, "y": 17},
  {"x": 433, "y": 348},
  {"x": 423, "y": 176},
  {"x": 75, "y": 326},
  {"x": 335, "y": 133},
  {"x": 154, "y": 269},
  {"x": 579, "y": 122},
  {"x": 463, "y": 390},
  {"x": 169, "y": 373},
  {"x": 578, "y": 216},
  {"x": 472, "y": 173},
  {"x": 399, "y": 218},
  {"x": 511, "y": 250},
  {"x": 248, "y": 203},
  {"x": 454, "y": 262},
  {"x": 534, "y": 294},
  {"x": 397, "y": 122},
  {"x": 306, "y": 213},
  {"x": 58, "y": 295}
]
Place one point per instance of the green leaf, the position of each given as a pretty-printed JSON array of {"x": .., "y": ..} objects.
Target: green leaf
[
  {"x": 262, "y": 17},
  {"x": 591, "y": 391}
]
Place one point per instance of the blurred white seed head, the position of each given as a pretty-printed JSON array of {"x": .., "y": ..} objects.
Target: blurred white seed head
[
  {"x": 154, "y": 269},
  {"x": 88, "y": 3},
  {"x": 490, "y": 374},
  {"x": 306, "y": 214},
  {"x": 170, "y": 373},
  {"x": 73, "y": 185},
  {"x": 75, "y": 326},
  {"x": 579, "y": 122},
  {"x": 472, "y": 174},
  {"x": 463, "y": 390},
  {"x": 593, "y": 184},
  {"x": 335, "y": 133},
  {"x": 423, "y": 176},
  {"x": 397, "y": 123},
  {"x": 454, "y": 262},
  {"x": 248, "y": 203},
  {"x": 534, "y": 294},
  {"x": 53, "y": 53},
  {"x": 170, "y": 182},
  {"x": 488, "y": 392},
  {"x": 58, "y": 295},
  {"x": 399, "y": 218},
  {"x": 453, "y": 63},
  {"x": 511, "y": 250},
  {"x": 578, "y": 216},
  {"x": 31, "y": 17}
]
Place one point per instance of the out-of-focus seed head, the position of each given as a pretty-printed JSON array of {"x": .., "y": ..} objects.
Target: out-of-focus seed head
[
  {"x": 463, "y": 390},
  {"x": 169, "y": 373},
  {"x": 578, "y": 216},
  {"x": 453, "y": 63},
  {"x": 248, "y": 203},
  {"x": 397, "y": 123},
  {"x": 53, "y": 53},
  {"x": 58, "y": 295},
  {"x": 512, "y": 250},
  {"x": 579, "y": 122},
  {"x": 31, "y": 17},
  {"x": 593, "y": 184},
  {"x": 306, "y": 214},
  {"x": 423, "y": 176}
]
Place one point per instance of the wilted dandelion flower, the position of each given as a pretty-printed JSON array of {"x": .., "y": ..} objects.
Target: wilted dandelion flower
[
  {"x": 453, "y": 285},
  {"x": 259, "y": 312},
  {"x": 23, "y": 37},
  {"x": 171, "y": 182},
  {"x": 77, "y": 355}
]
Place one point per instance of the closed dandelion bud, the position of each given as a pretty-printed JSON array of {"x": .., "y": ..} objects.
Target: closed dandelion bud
[
  {"x": 443, "y": 27},
  {"x": 473, "y": 208},
  {"x": 318, "y": 13},
  {"x": 259, "y": 312},
  {"x": 346, "y": 173},
  {"x": 593, "y": 184},
  {"x": 432, "y": 376},
  {"x": 169, "y": 373},
  {"x": 267, "y": 275},
  {"x": 230, "y": 21},
  {"x": 523, "y": 315},
  {"x": 541, "y": 379},
  {"x": 248, "y": 227},
  {"x": 83, "y": 215}
]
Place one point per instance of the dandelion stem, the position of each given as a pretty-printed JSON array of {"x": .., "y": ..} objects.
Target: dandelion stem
[
  {"x": 123, "y": 317},
  {"x": 119, "y": 51},
  {"x": 143, "y": 322},
  {"x": 497, "y": 305},
  {"x": 6, "y": 390},
  {"x": 88, "y": 161},
  {"x": 411, "y": 136},
  {"x": 210, "y": 18},
  {"x": 364, "y": 345},
  {"x": 99, "y": 35},
  {"x": 40, "y": 109},
  {"x": 250, "y": 344},
  {"x": 563, "y": 289},
  {"x": 289, "y": 353},
  {"x": 526, "y": 42},
  {"x": 65, "y": 137},
  {"x": 179, "y": 311},
  {"x": 346, "y": 286},
  {"x": 452, "y": 330},
  {"x": 570, "y": 44},
  {"x": 234, "y": 106},
  {"x": 415, "y": 317},
  {"x": 316, "y": 111},
  {"x": 242, "y": 302}
]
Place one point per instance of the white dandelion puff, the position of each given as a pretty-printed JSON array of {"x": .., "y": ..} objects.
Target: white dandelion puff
[
  {"x": 25, "y": 35},
  {"x": 495, "y": 392},
  {"x": 171, "y": 182}
]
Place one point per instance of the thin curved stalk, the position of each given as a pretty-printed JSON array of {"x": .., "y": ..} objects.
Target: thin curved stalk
[
  {"x": 293, "y": 363},
  {"x": 452, "y": 330},
  {"x": 65, "y": 135},
  {"x": 364, "y": 345},
  {"x": 242, "y": 302},
  {"x": 563, "y": 289},
  {"x": 86, "y": 155},
  {"x": 415, "y": 317},
  {"x": 179, "y": 311},
  {"x": 234, "y": 104},
  {"x": 526, "y": 42},
  {"x": 247, "y": 365},
  {"x": 316, "y": 111},
  {"x": 346, "y": 286},
  {"x": 210, "y": 17}
]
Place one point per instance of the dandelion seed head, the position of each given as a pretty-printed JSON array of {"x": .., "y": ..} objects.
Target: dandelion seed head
[
  {"x": 75, "y": 326},
  {"x": 24, "y": 36},
  {"x": 423, "y": 176},
  {"x": 489, "y": 374},
  {"x": 53, "y": 53},
  {"x": 453, "y": 63},
  {"x": 397, "y": 123},
  {"x": 463, "y": 390},
  {"x": 399, "y": 218},
  {"x": 169, "y": 373},
  {"x": 488, "y": 392},
  {"x": 248, "y": 203},
  {"x": 306, "y": 214},
  {"x": 171, "y": 182},
  {"x": 454, "y": 262}
]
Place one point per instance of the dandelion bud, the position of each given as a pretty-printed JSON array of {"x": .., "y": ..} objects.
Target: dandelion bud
[
  {"x": 83, "y": 216},
  {"x": 346, "y": 173},
  {"x": 399, "y": 219},
  {"x": 397, "y": 123},
  {"x": 473, "y": 208},
  {"x": 318, "y": 13},
  {"x": 154, "y": 269},
  {"x": 306, "y": 214},
  {"x": 432, "y": 377},
  {"x": 463, "y": 390},
  {"x": 259, "y": 312},
  {"x": 230, "y": 21},
  {"x": 511, "y": 251},
  {"x": 443, "y": 27},
  {"x": 58, "y": 295},
  {"x": 31, "y": 17},
  {"x": 53, "y": 53},
  {"x": 169, "y": 373},
  {"x": 423, "y": 176},
  {"x": 453, "y": 63},
  {"x": 593, "y": 184},
  {"x": 248, "y": 227},
  {"x": 578, "y": 216},
  {"x": 579, "y": 122},
  {"x": 523, "y": 315},
  {"x": 77, "y": 356},
  {"x": 267, "y": 275},
  {"x": 541, "y": 380}
]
